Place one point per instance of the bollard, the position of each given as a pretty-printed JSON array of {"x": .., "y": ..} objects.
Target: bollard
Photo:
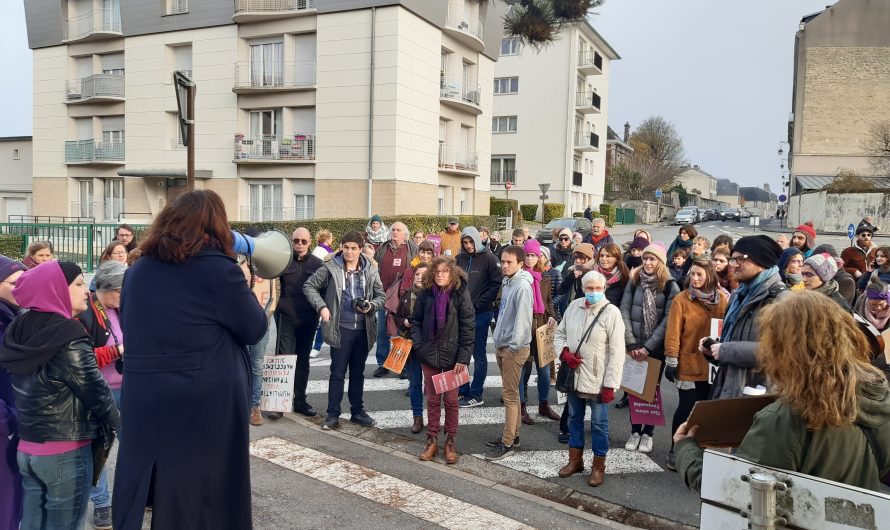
[{"x": 762, "y": 510}]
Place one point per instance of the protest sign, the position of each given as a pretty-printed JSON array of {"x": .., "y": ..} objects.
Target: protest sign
[
  {"x": 546, "y": 354},
  {"x": 277, "y": 394},
  {"x": 446, "y": 381},
  {"x": 646, "y": 413},
  {"x": 639, "y": 378}
]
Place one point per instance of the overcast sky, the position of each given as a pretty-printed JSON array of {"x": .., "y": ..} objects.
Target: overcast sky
[{"x": 720, "y": 71}]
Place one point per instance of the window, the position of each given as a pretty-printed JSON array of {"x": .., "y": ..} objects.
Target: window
[
  {"x": 265, "y": 123},
  {"x": 464, "y": 201},
  {"x": 182, "y": 59},
  {"x": 267, "y": 64},
  {"x": 510, "y": 46},
  {"x": 503, "y": 169},
  {"x": 304, "y": 206},
  {"x": 175, "y": 131},
  {"x": 265, "y": 202},
  {"x": 174, "y": 7},
  {"x": 85, "y": 207},
  {"x": 114, "y": 199},
  {"x": 503, "y": 124},
  {"x": 506, "y": 85},
  {"x": 16, "y": 155},
  {"x": 442, "y": 210},
  {"x": 113, "y": 64}
]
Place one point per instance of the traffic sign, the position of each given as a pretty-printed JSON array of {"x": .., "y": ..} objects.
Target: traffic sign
[
  {"x": 544, "y": 188},
  {"x": 658, "y": 193},
  {"x": 851, "y": 230},
  {"x": 542, "y": 197},
  {"x": 508, "y": 185},
  {"x": 782, "y": 198}
]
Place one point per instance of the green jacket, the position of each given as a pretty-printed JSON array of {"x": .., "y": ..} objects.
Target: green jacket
[{"x": 779, "y": 438}]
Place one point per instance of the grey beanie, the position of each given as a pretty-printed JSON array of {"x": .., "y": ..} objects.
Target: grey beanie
[
  {"x": 110, "y": 275},
  {"x": 824, "y": 265}
]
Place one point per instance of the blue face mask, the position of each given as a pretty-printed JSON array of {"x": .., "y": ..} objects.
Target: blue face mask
[{"x": 594, "y": 298}]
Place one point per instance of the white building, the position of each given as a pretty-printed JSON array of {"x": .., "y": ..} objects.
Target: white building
[
  {"x": 550, "y": 119},
  {"x": 15, "y": 177}
]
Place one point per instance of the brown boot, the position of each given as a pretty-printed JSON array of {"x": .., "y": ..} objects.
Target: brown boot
[
  {"x": 432, "y": 448},
  {"x": 418, "y": 424},
  {"x": 545, "y": 410},
  {"x": 576, "y": 463},
  {"x": 448, "y": 451},
  {"x": 526, "y": 419},
  {"x": 597, "y": 471},
  {"x": 256, "y": 418}
]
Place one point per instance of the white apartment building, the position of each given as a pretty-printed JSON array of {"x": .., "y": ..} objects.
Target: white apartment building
[
  {"x": 550, "y": 119},
  {"x": 304, "y": 108},
  {"x": 15, "y": 178}
]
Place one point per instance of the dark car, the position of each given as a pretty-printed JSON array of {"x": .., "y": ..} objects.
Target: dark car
[
  {"x": 575, "y": 224},
  {"x": 711, "y": 215},
  {"x": 731, "y": 214}
]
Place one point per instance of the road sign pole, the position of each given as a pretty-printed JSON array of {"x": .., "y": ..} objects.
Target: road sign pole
[{"x": 190, "y": 168}]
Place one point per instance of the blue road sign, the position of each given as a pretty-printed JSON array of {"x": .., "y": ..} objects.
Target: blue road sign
[
  {"x": 851, "y": 230},
  {"x": 782, "y": 198},
  {"x": 658, "y": 193}
]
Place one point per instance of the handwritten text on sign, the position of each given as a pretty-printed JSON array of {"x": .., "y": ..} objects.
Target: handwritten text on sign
[
  {"x": 643, "y": 413},
  {"x": 278, "y": 383}
]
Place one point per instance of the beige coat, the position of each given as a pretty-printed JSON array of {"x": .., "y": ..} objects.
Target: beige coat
[{"x": 603, "y": 351}]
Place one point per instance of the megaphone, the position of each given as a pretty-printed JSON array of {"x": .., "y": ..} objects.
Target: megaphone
[{"x": 271, "y": 252}]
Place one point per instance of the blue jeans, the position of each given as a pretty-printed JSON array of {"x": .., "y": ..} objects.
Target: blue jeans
[
  {"x": 543, "y": 380},
  {"x": 473, "y": 389},
  {"x": 319, "y": 338},
  {"x": 599, "y": 424},
  {"x": 382, "y": 351},
  {"x": 257, "y": 352},
  {"x": 56, "y": 488},
  {"x": 99, "y": 493},
  {"x": 415, "y": 385},
  {"x": 351, "y": 355}
]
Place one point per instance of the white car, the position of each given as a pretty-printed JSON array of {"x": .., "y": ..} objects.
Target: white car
[{"x": 685, "y": 216}]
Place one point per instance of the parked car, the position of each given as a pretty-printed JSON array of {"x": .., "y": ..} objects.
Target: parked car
[
  {"x": 575, "y": 224},
  {"x": 744, "y": 214},
  {"x": 730, "y": 214},
  {"x": 711, "y": 215},
  {"x": 686, "y": 216}
]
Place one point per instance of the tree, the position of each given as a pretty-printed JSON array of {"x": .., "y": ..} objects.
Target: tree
[
  {"x": 537, "y": 22},
  {"x": 848, "y": 181},
  {"x": 877, "y": 145},
  {"x": 655, "y": 163},
  {"x": 682, "y": 194}
]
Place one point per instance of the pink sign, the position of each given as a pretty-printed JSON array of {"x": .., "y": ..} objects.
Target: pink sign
[
  {"x": 645, "y": 413},
  {"x": 449, "y": 380},
  {"x": 437, "y": 243}
]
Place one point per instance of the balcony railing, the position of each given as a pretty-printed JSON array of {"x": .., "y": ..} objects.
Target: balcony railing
[
  {"x": 94, "y": 86},
  {"x": 502, "y": 176},
  {"x": 296, "y": 147},
  {"x": 108, "y": 210},
  {"x": 457, "y": 89},
  {"x": 273, "y": 5},
  {"x": 590, "y": 61},
  {"x": 587, "y": 140},
  {"x": 577, "y": 178},
  {"x": 588, "y": 100},
  {"x": 87, "y": 151},
  {"x": 464, "y": 21},
  {"x": 104, "y": 20},
  {"x": 458, "y": 159},
  {"x": 274, "y": 74}
]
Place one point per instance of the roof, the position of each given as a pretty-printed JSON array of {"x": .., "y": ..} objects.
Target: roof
[
  {"x": 727, "y": 187},
  {"x": 687, "y": 169},
  {"x": 613, "y": 138},
  {"x": 600, "y": 41},
  {"x": 817, "y": 182},
  {"x": 750, "y": 193},
  {"x": 15, "y": 138}
]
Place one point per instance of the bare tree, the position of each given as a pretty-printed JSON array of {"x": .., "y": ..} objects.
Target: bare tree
[
  {"x": 877, "y": 145},
  {"x": 537, "y": 22},
  {"x": 655, "y": 163}
]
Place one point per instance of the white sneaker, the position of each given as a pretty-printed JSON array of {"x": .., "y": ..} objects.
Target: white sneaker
[
  {"x": 313, "y": 354},
  {"x": 633, "y": 442},
  {"x": 646, "y": 444}
]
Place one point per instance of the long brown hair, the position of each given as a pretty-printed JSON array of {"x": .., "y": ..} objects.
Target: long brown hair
[
  {"x": 711, "y": 281},
  {"x": 817, "y": 378},
  {"x": 661, "y": 273},
  {"x": 194, "y": 220},
  {"x": 614, "y": 251},
  {"x": 106, "y": 254},
  {"x": 447, "y": 262}
]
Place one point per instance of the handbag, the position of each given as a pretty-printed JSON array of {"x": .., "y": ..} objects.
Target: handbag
[
  {"x": 101, "y": 448},
  {"x": 566, "y": 378}
]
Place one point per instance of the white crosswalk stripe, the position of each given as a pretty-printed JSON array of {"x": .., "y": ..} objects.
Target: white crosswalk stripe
[
  {"x": 546, "y": 464},
  {"x": 320, "y": 386},
  {"x": 396, "y": 419},
  {"x": 372, "y": 360}
]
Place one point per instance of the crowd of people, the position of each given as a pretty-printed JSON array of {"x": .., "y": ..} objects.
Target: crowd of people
[{"x": 67, "y": 388}]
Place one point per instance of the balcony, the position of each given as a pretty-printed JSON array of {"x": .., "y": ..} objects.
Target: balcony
[
  {"x": 104, "y": 23},
  {"x": 461, "y": 161},
  {"x": 273, "y": 76},
  {"x": 577, "y": 178},
  {"x": 259, "y": 10},
  {"x": 587, "y": 102},
  {"x": 590, "y": 62},
  {"x": 91, "y": 152},
  {"x": 95, "y": 88},
  {"x": 464, "y": 26},
  {"x": 461, "y": 94},
  {"x": 499, "y": 177},
  {"x": 262, "y": 149},
  {"x": 108, "y": 210},
  {"x": 587, "y": 142}
]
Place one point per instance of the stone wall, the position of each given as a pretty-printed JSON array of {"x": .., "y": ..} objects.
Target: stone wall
[{"x": 832, "y": 212}]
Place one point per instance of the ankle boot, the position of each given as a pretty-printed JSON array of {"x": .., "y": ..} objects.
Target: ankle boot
[
  {"x": 576, "y": 463},
  {"x": 545, "y": 410},
  {"x": 448, "y": 451},
  {"x": 526, "y": 419},
  {"x": 432, "y": 448},
  {"x": 418, "y": 424},
  {"x": 597, "y": 471}
]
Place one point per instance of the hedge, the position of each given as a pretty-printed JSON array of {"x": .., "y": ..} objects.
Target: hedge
[
  {"x": 609, "y": 213},
  {"x": 529, "y": 211},
  {"x": 577, "y": 214},
  {"x": 11, "y": 246},
  {"x": 501, "y": 208},
  {"x": 553, "y": 210}
]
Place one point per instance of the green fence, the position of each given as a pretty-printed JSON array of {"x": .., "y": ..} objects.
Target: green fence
[{"x": 625, "y": 216}]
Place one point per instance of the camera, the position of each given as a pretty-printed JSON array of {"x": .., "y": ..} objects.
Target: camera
[{"x": 361, "y": 304}]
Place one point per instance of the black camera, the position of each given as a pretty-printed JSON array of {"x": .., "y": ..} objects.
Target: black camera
[{"x": 361, "y": 304}]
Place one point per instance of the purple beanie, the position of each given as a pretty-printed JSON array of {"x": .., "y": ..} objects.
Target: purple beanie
[{"x": 9, "y": 266}]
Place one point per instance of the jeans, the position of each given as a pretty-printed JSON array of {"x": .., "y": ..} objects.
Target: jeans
[
  {"x": 351, "y": 355},
  {"x": 473, "y": 389},
  {"x": 510, "y": 365},
  {"x": 688, "y": 399},
  {"x": 543, "y": 380},
  {"x": 56, "y": 488},
  {"x": 434, "y": 404},
  {"x": 599, "y": 424},
  {"x": 99, "y": 493},
  {"x": 415, "y": 385},
  {"x": 296, "y": 339},
  {"x": 257, "y": 352},
  {"x": 382, "y": 351},
  {"x": 319, "y": 338}
]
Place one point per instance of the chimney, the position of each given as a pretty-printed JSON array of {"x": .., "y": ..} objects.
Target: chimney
[
  {"x": 766, "y": 187},
  {"x": 695, "y": 166},
  {"x": 626, "y": 131}
]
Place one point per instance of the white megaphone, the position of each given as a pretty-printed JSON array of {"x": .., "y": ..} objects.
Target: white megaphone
[{"x": 271, "y": 252}]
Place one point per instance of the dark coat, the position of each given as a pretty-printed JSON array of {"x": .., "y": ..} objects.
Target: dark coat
[
  {"x": 455, "y": 344},
  {"x": 185, "y": 396},
  {"x": 293, "y": 304},
  {"x": 485, "y": 276},
  {"x": 632, "y": 313}
]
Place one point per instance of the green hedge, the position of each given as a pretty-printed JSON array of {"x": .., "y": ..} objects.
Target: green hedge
[
  {"x": 11, "y": 246},
  {"x": 553, "y": 210},
  {"x": 501, "y": 208},
  {"x": 529, "y": 211},
  {"x": 609, "y": 213},
  {"x": 577, "y": 214}
]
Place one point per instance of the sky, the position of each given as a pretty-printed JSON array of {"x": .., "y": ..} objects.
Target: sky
[{"x": 720, "y": 71}]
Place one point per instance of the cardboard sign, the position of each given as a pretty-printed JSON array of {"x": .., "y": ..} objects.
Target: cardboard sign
[
  {"x": 725, "y": 422},
  {"x": 716, "y": 328},
  {"x": 277, "y": 394},
  {"x": 264, "y": 291},
  {"x": 561, "y": 397},
  {"x": 640, "y": 378},
  {"x": 449, "y": 380},
  {"x": 646, "y": 413},
  {"x": 398, "y": 354},
  {"x": 546, "y": 354}
]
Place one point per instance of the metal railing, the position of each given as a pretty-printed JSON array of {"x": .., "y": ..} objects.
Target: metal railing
[
  {"x": 274, "y": 74},
  {"x": 296, "y": 147},
  {"x": 95, "y": 86},
  {"x": 85, "y": 151},
  {"x": 463, "y": 20},
  {"x": 588, "y": 99},
  {"x": 502, "y": 176},
  {"x": 49, "y": 219},
  {"x": 109, "y": 210},
  {"x": 459, "y": 159},
  {"x": 176, "y": 7},
  {"x": 103, "y": 20},
  {"x": 588, "y": 58},
  {"x": 587, "y": 139},
  {"x": 273, "y": 5},
  {"x": 457, "y": 89}
]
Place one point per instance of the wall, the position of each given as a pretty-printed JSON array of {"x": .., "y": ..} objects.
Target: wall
[
  {"x": 16, "y": 171},
  {"x": 832, "y": 212}
]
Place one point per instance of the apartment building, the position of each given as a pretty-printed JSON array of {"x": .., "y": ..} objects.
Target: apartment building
[
  {"x": 304, "y": 108},
  {"x": 550, "y": 119},
  {"x": 15, "y": 177}
]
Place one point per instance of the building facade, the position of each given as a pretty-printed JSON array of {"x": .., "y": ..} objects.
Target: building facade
[
  {"x": 728, "y": 192},
  {"x": 304, "y": 108},
  {"x": 550, "y": 119},
  {"x": 15, "y": 177}
]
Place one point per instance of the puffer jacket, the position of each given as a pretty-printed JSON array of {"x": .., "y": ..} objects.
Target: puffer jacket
[
  {"x": 689, "y": 321},
  {"x": 632, "y": 313},
  {"x": 455, "y": 344},
  {"x": 603, "y": 352}
]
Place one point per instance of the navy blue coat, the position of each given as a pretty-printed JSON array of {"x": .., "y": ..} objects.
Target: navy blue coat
[{"x": 184, "y": 401}]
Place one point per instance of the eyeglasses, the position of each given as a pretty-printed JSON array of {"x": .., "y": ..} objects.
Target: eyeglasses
[
  {"x": 301, "y": 241},
  {"x": 565, "y": 239},
  {"x": 738, "y": 260},
  {"x": 442, "y": 272}
]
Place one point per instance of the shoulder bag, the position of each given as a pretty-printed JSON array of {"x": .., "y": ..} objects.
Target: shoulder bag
[{"x": 566, "y": 380}]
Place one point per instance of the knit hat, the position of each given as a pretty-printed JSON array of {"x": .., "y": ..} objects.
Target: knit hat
[
  {"x": 826, "y": 249},
  {"x": 865, "y": 228},
  {"x": 376, "y": 218},
  {"x": 657, "y": 250},
  {"x": 876, "y": 289},
  {"x": 585, "y": 249},
  {"x": 532, "y": 247},
  {"x": 809, "y": 232},
  {"x": 639, "y": 243},
  {"x": 71, "y": 271},
  {"x": 9, "y": 266},
  {"x": 824, "y": 265},
  {"x": 566, "y": 232},
  {"x": 110, "y": 275},
  {"x": 546, "y": 253},
  {"x": 761, "y": 249}
]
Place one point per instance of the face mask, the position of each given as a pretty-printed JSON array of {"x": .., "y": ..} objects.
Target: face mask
[{"x": 594, "y": 298}]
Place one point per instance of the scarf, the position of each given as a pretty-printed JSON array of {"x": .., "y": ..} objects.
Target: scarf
[
  {"x": 709, "y": 300},
  {"x": 678, "y": 243},
  {"x": 793, "y": 278},
  {"x": 536, "y": 288},
  {"x": 744, "y": 289},
  {"x": 878, "y": 319},
  {"x": 602, "y": 236},
  {"x": 440, "y": 310},
  {"x": 828, "y": 288},
  {"x": 612, "y": 276},
  {"x": 704, "y": 256},
  {"x": 326, "y": 247},
  {"x": 649, "y": 283},
  {"x": 379, "y": 236}
]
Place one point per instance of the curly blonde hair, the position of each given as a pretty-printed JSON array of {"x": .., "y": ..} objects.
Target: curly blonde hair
[{"x": 816, "y": 376}]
